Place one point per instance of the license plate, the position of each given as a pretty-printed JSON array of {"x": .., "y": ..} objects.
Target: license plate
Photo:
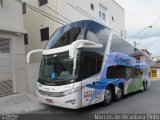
[{"x": 49, "y": 101}]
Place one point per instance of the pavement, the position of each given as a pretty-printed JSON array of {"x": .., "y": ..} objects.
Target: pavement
[{"x": 19, "y": 104}]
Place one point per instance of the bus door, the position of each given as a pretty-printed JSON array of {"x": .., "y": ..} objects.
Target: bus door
[
  {"x": 91, "y": 66},
  {"x": 88, "y": 80}
]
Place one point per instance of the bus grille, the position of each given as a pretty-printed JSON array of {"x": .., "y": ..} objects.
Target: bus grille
[{"x": 51, "y": 94}]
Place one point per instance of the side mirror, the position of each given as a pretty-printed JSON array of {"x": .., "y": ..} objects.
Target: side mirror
[
  {"x": 81, "y": 44},
  {"x": 30, "y": 53}
]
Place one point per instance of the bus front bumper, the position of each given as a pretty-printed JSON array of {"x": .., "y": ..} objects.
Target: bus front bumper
[{"x": 72, "y": 101}]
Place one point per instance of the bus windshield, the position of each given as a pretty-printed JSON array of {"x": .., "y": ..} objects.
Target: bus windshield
[{"x": 58, "y": 67}]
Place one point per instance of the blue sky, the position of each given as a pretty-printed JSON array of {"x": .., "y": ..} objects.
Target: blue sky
[{"x": 140, "y": 14}]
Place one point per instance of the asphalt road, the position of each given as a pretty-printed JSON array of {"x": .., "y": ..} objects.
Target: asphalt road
[{"x": 139, "y": 102}]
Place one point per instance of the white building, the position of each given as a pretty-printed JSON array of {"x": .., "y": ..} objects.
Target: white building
[
  {"x": 12, "y": 50},
  {"x": 40, "y": 27}
]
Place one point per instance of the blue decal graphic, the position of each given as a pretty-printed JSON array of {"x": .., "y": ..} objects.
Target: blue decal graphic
[
  {"x": 115, "y": 58},
  {"x": 53, "y": 75}
]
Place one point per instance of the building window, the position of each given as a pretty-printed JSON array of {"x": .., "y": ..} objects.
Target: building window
[
  {"x": 121, "y": 33},
  {"x": 44, "y": 34},
  {"x": 92, "y": 6},
  {"x": 26, "y": 39},
  {"x": 4, "y": 46},
  {"x": 153, "y": 73},
  {"x": 1, "y": 2},
  {"x": 112, "y": 19},
  {"x": 104, "y": 16},
  {"x": 24, "y": 8},
  {"x": 42, "y": 2},
  {"x": 102, "y": 12}
]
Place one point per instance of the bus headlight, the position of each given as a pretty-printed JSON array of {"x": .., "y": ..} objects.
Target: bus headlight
[{"x": 68, "y": 92}]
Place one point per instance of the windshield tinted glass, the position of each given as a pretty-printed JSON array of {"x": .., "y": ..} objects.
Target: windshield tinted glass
[
  {"x": 68, "y": 34},
  {"x": 68, "y": 38},
  {"x": 120, "y": 71},
  {"x": 59, "y": 67},
  {"x": 99, "y": 34}
]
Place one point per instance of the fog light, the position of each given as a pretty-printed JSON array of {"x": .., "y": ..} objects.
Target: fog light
[{"x": 71, "y": 101}]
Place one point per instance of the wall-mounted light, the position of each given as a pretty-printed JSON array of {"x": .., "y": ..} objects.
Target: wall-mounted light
[{"x": 18, "y": 33}]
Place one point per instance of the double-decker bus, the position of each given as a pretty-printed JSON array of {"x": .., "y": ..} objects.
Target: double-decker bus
[{"x": 85, "y": 63}]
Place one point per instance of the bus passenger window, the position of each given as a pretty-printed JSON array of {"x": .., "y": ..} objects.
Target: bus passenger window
[
  {"x": 121, "y": 71},
  {"x": 88, "y": 67},
  {"x": 118, "y": 71},
  {"x": 91, "y": 64},
  {"x": 98, "y": 65}
]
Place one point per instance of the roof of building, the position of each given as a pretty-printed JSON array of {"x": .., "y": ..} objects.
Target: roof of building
[
  {"x": 141, "y": 52},
  {"x": 146, "y": 51},
  {"x": 119, "y": 5},
  {"x": 155, "y": 64}
]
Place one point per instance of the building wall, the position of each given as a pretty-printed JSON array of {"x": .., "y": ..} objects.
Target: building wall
[
  {"x": 11, "y": 27},
  {"x": 19, "y": 76},
  {"x": 112, "y": 10},
  {"x": 33, "y": 22},
  {"x": 33, "y": 72},
  {"x": 11, "y": 16}
]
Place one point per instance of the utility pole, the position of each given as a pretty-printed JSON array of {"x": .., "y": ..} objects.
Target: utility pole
[{"x": 141, "y": 31}]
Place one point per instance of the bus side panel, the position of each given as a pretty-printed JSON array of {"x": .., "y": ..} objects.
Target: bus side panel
[
  {"x": 88, "y": 91},
  {"x": 134, "y": 85}
]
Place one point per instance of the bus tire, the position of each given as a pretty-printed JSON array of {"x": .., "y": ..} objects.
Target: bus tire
[
  {"x": 146, "y": 85},
  {"x": 108, "y": 96},
  {"x": 120, "y": 93},
  {"x": 143, "y": 86}
]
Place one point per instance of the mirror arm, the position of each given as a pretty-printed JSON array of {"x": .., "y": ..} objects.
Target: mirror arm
[
  {"x": 31, "y": 52},
  {"x": 80, "y": 44}
]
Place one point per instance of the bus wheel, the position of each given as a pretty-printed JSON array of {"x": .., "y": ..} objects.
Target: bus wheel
[
  {"x": 119, "y": 93},
  {"x": 108, "y": 96},
  {"x": 143, "y": 86},
  {"x": 146, "y": 85}
]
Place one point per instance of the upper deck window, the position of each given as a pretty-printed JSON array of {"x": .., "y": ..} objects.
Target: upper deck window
[
  {"x": 67, "y": 34},
  {"x": 98, "y": 33},
  {"x": 67, "y": 38},
  {"x": 120, "y": 45}
]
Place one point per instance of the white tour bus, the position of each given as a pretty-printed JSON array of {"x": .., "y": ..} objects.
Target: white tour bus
[{"x": 85, "y": 63}]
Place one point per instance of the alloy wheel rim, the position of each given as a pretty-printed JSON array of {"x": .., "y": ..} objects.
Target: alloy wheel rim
[
  {"x": 108, "y": 96},
  {"x": 119, "y": 93}
]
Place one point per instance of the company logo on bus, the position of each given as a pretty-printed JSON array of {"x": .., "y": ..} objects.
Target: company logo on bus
[{"x": 88, "y": 94}]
